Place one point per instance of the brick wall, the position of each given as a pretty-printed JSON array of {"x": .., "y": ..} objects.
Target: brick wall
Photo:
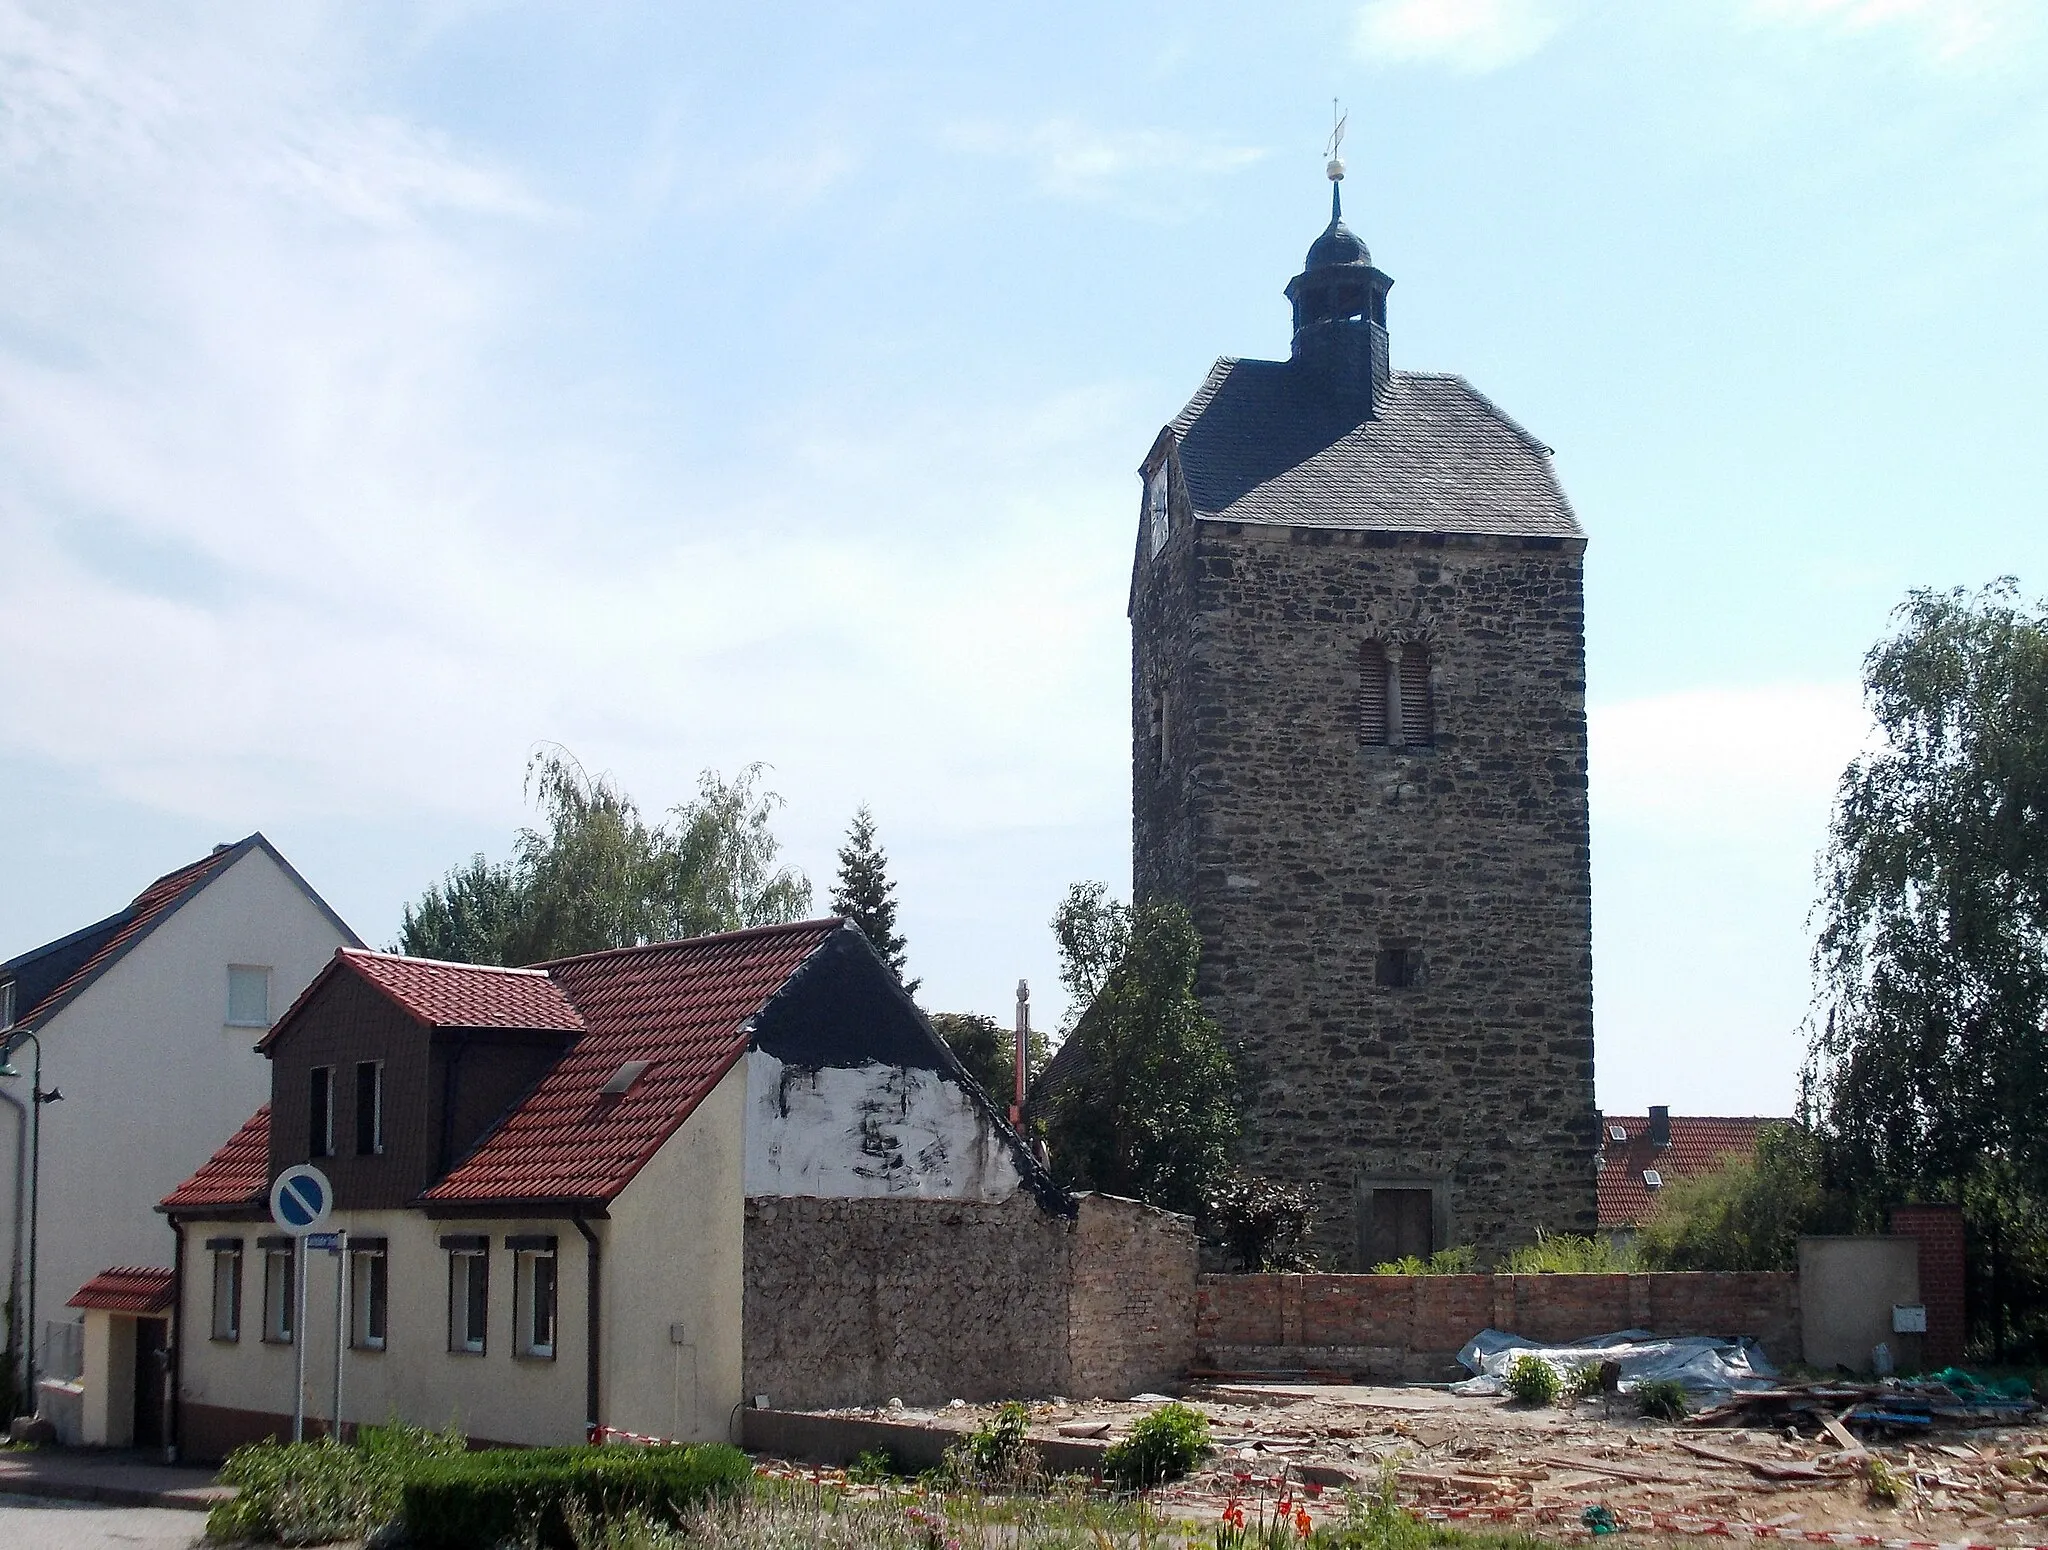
[
  {"x": 1939, "y": 1230},
  {"x": 1412, "y": 1326},
  {"x": 856, "y": 1302}
]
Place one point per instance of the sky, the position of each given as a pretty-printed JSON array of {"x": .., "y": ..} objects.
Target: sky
[{"x": 388, "y": 390}]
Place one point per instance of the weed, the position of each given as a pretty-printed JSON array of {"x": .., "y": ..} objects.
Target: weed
[
  {"x": 1885, "y": 1482},
  {"x": 1568, "y": 1253},
  {"x": 1460, "y": 1261},
  {"x": 1533, "y": 1381},
  {"x": 1163, "y": 1445},
  {"x": 1662, "y": 1399}
]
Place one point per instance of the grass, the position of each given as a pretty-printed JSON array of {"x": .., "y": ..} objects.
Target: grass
[{"x": 1568, "y": 1253}]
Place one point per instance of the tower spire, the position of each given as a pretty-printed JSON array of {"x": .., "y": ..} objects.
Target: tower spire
[{"x": 1338, "y": 119}]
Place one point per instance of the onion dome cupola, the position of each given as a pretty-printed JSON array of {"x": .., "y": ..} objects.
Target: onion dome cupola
[{"x": 1340, "y": 303}]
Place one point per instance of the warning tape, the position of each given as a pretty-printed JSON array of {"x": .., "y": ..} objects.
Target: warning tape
[{"x": 599, "y": 1435}]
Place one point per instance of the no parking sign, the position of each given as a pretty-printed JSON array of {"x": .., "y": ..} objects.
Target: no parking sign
[{"x": 301, "y": 1199}]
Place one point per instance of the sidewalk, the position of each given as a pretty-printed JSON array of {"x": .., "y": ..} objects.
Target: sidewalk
[{"x": 118, "y": 1478}]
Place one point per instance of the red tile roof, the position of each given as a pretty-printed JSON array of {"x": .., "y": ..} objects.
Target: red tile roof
[
  {"x": 684, "y": 1007},
  {"x": 237, "y": 1175},
  {"x": 126, "y": 1289},
  {"x": 1698, "y": 1144},
  {"x": 451, "y": 995}
]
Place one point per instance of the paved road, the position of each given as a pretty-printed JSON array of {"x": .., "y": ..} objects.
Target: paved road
[{"x": 35, "y": 1523}]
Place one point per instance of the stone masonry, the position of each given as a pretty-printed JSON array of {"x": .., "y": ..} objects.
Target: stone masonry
[{"x": 1396, "y": 935}]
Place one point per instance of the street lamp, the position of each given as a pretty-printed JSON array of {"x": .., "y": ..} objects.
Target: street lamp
[{"x": 37, "y": 1098}]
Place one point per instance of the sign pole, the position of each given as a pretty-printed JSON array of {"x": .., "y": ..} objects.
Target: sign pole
[
  {"x": 341, "y": 1290},
  {"x": 299, "y": 1343}
]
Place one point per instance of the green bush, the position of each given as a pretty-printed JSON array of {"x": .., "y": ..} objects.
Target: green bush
[
  {"x": 1162, "y": 1446},
  {"x": 1460, "y": 1261},
  {"x": 1568, "y": 1253},
  {"x": 1533, "y": 1381},
  {"x": 996, "y": 1447},
  {"x": 307, "y": 1493},
  {"x": 1662, "y": 1399},
  {"x": 477, "y": 1500}
]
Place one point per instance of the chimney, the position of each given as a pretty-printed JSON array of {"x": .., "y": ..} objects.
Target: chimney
[
  {"x": 1660, "y": 1125},
  {"x": 1023, "y": 1046}
]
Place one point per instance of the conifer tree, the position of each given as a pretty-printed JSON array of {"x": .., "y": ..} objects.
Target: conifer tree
[{"x": 865, "y": 895}]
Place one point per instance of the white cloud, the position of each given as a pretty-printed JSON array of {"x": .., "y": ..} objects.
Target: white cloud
[
  {"x": 1075, "y": 161},
  {"x": 1470, "y": 36},
  {"x": 1756, "y": 761},
  {"x": 1945, "y": 31}
]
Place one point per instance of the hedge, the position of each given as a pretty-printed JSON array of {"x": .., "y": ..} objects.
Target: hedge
[{"x": 477, "y": 1500}]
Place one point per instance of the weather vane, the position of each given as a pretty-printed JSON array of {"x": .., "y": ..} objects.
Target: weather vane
[{"x": 1338, "y": 121}]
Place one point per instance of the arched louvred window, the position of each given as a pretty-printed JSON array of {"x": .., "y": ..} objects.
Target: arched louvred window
[
  {"x": 1372, "y": 694},
  {"x": 1418, "y": 715}
]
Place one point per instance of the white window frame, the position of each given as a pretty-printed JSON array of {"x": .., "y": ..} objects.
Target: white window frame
[
  {"x": 227, "y": 1261},
  {"x": 7, "y": 1004},
  {"x": 376, "y": 1109},
  {"x": 469, "y": 1281},
  {"x": 369, "y": 1292},
  {"x": 279, "y": 1309},
  {"x": 262, "y": 1020},
  {"x": 527, "y": 1273}
]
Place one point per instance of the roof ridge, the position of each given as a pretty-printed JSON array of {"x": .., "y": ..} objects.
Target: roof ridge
[
  {"x": 547, "y": 964},
  {"x": 440, "y": 963}
]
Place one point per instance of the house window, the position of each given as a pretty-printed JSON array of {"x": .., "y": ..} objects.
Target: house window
[
  {"x": 227, "y": 1287},
  {"x": 369, "y": 1108},
  {"x": 7, "y": 1005},
  {"x": 1418, "y": 715},
  {"x": 320, "y": 1114},
  {"x": 1372, "y": 693},
  {"x": 277, "y": 1291},
  {"x": 1157, "y": 510},
  {"x": 533, "y": 1295},
  {"x": 369, "y": 1294},
  {"x": 248, "y": 996},
  {"x": 1397, "y": 967},
  {"x": 469, "y": 1292}
]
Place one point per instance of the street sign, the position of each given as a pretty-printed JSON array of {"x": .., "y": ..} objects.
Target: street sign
[
  {"x": 301, "y": 1199},
  {"x": 331, "y": 1241}
]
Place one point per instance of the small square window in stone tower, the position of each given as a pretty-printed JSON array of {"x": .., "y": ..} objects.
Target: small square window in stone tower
[{"x": 1398, "y": 967}]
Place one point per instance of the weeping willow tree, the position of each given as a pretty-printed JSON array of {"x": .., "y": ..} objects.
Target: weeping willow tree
[
  {"x": 594, "y": 874},
  {"x": 1928, "y": 1061}
]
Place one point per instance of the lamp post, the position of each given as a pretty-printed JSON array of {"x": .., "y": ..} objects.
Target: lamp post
[{"x": 37, "y": 1098}]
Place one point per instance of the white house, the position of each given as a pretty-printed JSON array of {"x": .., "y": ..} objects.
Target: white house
[
  {"x": 147, "y": 1024},
  {"x": 543, "y": 1176}
]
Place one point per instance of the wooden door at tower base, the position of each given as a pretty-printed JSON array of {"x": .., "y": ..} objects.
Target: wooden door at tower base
[{"x": 1400, "y": 1223}]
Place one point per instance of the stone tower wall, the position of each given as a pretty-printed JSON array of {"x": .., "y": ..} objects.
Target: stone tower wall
[{"x": 1301, "y": 853}]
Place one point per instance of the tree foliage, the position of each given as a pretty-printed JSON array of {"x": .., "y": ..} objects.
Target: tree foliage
[
  {"x": 1928, "y": 1055},
  {"x": 596, "y": 875},
  {"x": 1748, "y": 1213},
  {"x": 989, "y": 1050},
  {"x": 1093, "y": 931},
  {"x": 1152, "y": 1111},
  {"x": 1262, "y": 1224},
  {"x": 866, "y": 895}
]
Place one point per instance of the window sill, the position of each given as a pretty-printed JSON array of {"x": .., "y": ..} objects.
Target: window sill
[
  {"x": 467, "y": 1351},
  {"x": 533, "y": 1356},
  {"x": 235, "y": 1339},
  {"x": 232, "y": 1024},
  {"x": 368, "y": 1350},
  {"x": 276, "y": 1340}
]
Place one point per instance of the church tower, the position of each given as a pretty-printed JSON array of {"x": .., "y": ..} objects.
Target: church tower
[{"x": 1359, "y": 757}]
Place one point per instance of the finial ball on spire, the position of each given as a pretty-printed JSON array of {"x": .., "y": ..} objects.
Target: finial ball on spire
[{"x": 1336, "y": 169}]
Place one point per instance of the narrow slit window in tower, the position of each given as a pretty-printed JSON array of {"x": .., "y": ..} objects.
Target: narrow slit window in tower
[
  {"x": 1418, "y": 719},
  {"x": 1372, "y": 694}
]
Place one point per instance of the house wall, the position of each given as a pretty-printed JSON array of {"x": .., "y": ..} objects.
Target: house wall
[
  {"x": 1413, "y": 1326},
  {"x": 670, "y": 1255},
  {"x": 107, "y": 1408},
  {"x": 231, "y": 1392},
  {"x": 1300, "y": 853},
  {"x": 152, "y": 1075},
  {"x": 672, "y": 1273},
  {"x": 872, "y": 1129}
]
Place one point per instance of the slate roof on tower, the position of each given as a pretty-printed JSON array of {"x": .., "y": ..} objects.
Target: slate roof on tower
[{"x": 1267, "y": 442}]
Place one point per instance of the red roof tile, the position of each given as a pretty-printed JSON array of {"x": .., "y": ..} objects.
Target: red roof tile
[
  {"x": 150, "y": 906},
  {"x": 681, "y": 1006},
  {"x": 237, "y": 1175},
  {"x": 126, "y": 1289},
  {"x": 1698, "y": 1144},
  {"x": 449, "y": 995}
]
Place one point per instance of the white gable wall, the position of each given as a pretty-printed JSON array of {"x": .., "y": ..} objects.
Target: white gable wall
[
  {"x": 153, "y": 1077},
  {"x": 869, "y": 1130}
]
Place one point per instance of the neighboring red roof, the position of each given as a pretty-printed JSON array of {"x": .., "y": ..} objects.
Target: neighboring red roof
[
  {"x": 681, "y": 1006},
  {"x": 1698, "y": 1144},
  {"x": 126, "y": 1289},
  {"x": 452, "y": 995},
  {"x": 237, "y": 1175}
]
